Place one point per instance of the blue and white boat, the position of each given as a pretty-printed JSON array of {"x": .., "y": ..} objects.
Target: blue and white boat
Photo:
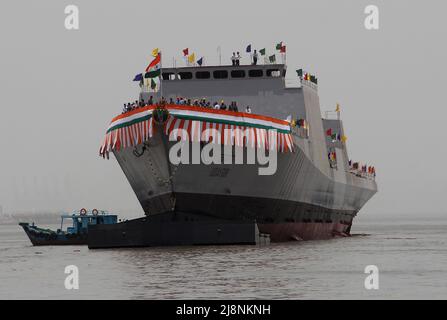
[{"x": 76, "y": 234}]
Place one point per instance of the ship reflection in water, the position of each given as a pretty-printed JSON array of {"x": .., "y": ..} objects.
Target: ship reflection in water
[{"x": 292, "y": 270}]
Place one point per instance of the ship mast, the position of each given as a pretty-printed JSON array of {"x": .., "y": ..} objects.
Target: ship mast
[{"x": 161, "y": 78}]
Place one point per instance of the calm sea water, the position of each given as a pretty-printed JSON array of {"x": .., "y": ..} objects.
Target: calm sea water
[{"x": 411, "y": 256}]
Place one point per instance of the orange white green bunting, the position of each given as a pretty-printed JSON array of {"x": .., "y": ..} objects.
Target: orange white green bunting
[{"x": 224, "y": 127}]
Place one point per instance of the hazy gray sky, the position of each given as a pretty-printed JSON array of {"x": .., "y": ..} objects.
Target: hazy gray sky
[{"x": 60, "y": 88}]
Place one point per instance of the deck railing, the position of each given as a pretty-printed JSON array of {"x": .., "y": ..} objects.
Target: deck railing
[
  {"x": 310, "y": 84},
  {"x": 362, "y": 174},
  {"x": 292, "y": 83}
]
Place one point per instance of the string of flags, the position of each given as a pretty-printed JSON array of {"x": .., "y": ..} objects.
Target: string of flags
[
  {"x": 311, "y": 78},
  {"x": 363, "y": 168},
  {"x": 336, "y": 136},
  {"x": 332, "y": 156},
  {"x": 299, "y": 123},
  {"x": 271, "y": 58},
  {"x": 281, "y": 47},
  {"x": 152, "y": 71},
  {"x": 191, "y": 58},
  {"x": 307, "y": 76}
]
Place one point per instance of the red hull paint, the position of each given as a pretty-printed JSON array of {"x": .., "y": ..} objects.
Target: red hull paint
[{"x": 280, "y": 232}]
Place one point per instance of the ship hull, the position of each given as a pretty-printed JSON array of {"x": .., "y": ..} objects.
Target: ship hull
[
  {"x": 297, "y": 202},
  {"x": 179, "y": 228},
  {"x": 293, "y": 220},
  {"x": 38, "y": 238},
  {"x": 175, "y": 229},
  {"x": 297, "y": 231}
]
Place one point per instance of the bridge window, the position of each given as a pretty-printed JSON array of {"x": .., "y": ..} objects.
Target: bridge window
[
  {"x": 185, "y": 75},
  {"x": 273, "y": 73},
  {"x": 255, "y": 73},
  {"x": 238, "y": 74},
  {"x": 220, "y": 74},
  {"x": 168, "y": 76},
  {"x": 202, "y": 75}
]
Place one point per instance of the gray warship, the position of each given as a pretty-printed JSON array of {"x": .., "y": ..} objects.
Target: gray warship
[{"x": 315, "y": 192}]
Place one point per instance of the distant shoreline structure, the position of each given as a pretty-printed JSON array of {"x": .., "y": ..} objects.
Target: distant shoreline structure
[
  {"x": 36, "y": 216},
  {"x": 47, "y": 216}
]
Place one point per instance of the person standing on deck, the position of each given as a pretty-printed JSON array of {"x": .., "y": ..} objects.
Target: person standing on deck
[
  {"x": 255, "y": 58},
  {"x": 223, "y": 106},
  {"x": 238, "y": 59}
]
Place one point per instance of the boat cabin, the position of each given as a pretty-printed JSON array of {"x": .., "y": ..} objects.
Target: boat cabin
[{"x": 81, "y": 220}]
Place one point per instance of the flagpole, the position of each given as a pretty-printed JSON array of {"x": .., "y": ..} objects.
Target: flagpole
[{"x": 161, "y": 80}]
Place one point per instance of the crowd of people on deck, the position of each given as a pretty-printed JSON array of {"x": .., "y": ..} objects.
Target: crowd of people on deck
[
  {"x": 137, "y": 104},
  {"x": 203, "y": 103},
  {"x": 364, "y": 170}
]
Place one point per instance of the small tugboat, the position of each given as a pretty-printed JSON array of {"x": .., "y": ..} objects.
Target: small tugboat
[{"x": 75, "y": 235}]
